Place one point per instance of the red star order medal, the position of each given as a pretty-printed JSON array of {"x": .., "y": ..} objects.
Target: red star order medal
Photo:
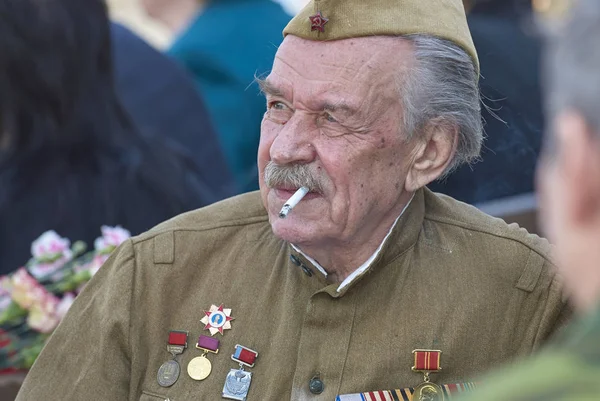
[
  {"x": 317, "y": 22},
  {"x": 217, "y": 319}
]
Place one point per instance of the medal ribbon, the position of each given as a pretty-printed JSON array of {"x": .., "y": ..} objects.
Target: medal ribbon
[
  {"x": 244, "y": 355},
  {"x": 406, "y": 394},
  {"x": 427, "y": 360},
  {"x": 207, "y": 343},
  {"x": 177, "y": 337}
]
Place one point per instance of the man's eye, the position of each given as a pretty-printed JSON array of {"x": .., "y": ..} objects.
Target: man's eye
[
  {"x": 278, "y": 106},
  {"x": 330, "y": 118}
]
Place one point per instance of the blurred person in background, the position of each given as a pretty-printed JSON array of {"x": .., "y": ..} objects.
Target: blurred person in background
[
  {"x": 131, "y": 13},
  {"x": 509, "y": 51},
  {"x": 225, "y": 43},
  {"x": 162, "y": 100},
  {"x": 569, "y": 189},
  {"x": 70, "y": 159}
]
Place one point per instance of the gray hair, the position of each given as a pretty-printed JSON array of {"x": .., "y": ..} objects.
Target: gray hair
[
  {"x": 294, "y": 176},
  {"x": 572, "y": 75},
  {"x": 443, "y": 86}
]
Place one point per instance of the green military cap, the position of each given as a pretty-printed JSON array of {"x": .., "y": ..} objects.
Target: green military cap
[{"x": 342, "y": 19}]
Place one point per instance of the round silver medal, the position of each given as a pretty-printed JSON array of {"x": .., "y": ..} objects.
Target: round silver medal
[{"x": 168, "y": 373}]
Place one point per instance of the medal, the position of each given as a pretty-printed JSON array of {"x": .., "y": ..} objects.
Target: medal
[
  {"x": 200, "y": 367},
  {"x": 217, "y": 319},
  {"x": 237, "y": 382},
  {"x": 427, "y": 361},
  {"x": 168, "y": 373}
]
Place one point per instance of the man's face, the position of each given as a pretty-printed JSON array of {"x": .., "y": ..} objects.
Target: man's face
[
  {"x": 335, "y": 108},
  {"x": 569, "y": 188}
]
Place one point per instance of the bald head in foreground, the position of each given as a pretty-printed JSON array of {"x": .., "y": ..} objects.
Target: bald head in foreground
[{"x": 370, "y": 283}]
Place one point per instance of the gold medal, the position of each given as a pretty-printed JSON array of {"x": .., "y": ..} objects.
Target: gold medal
[
  {"x": 428, "y": 391},
  {"x": 427, "y": 361},
  {"x": 200, "y": 367}
]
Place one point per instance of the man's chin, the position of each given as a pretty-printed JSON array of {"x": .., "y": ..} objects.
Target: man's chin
[{"x": 289, "y": 229}]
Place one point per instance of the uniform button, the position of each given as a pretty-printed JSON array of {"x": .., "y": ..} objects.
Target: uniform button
[
  {"x": 295, "y": 260},
  {"x": 315, "y": 385},
  {"x": 307, "y": 271}
]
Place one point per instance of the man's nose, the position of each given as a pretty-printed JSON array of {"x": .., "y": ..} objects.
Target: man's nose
[{"x": 293, "y": 143}]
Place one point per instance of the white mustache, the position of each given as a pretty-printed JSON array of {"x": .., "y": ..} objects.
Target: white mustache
[{"x": 293, "y": 175}]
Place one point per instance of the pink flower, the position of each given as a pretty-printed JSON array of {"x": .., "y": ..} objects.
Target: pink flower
[
  {"x": 47, "y": 313},
  {"x": 25, "y": 289},
  {"x": 42, "y": 270},
  {"x": 5, "y": 290},
  {"x": 64, "y": 305},
  {"x": 43, "y": 315},
  {"x": 97, "y": 263},
  {"x": 111, "y": 238},
  {"x": 5, "y": 285},
  {"x": 93, "y": 266},
  {"x": 5, "y": 302},
  {"x": 50, "y": 252},
  {"x": 50, "y": 246}
]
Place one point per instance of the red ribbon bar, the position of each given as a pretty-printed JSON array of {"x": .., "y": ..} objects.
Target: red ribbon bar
[
  {"x": 244, "y": 355},
  {"x": 177, "y": 337},
  {"x": 247, "y": 356},
  {"x": 427, "y": 360}
]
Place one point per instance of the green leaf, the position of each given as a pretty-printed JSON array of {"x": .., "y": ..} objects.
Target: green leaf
[
  {"x": 13, "y": 314},
  {"x": 78, "y": 248}
]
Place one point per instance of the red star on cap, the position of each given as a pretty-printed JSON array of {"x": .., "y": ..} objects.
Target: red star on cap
[{"x": 317, "y": 22}]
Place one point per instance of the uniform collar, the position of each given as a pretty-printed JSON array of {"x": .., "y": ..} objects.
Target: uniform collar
[{"x": 400, "y": 238}]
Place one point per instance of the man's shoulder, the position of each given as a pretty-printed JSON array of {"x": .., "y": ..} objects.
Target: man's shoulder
[
  {"x": 508, "y": 253},
  {"x": 230, "y": 214},
  {"x": 475, "y": 226},
  {"x": 556, "y": 375},
  {"x": 566, "y": 370}
]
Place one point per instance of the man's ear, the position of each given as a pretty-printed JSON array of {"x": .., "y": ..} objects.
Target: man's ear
[
  {"x": 578, "y": 159},
  {"x": 432, "y": 154}
]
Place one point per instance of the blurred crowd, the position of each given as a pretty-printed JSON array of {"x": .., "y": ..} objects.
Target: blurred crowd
[{"x": 134, "y": 119}]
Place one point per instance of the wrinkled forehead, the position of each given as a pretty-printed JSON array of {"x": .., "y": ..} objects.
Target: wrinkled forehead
[{"x": 350, "y": 65}]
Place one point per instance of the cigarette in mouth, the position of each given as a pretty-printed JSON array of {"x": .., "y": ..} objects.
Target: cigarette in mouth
[{"x": 292, "y": 202}]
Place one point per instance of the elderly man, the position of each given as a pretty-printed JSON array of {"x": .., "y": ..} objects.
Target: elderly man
[
  {"x": 371, "y": 282},
  {"x": 569, "y": 180}
]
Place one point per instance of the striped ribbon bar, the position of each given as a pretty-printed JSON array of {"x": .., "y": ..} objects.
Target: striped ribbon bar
[
  {"x": 427, "y": 360},
  {"x": 405, "y": 394}
]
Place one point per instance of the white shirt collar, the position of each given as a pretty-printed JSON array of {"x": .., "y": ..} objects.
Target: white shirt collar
[{"x": 362, "y": 268}]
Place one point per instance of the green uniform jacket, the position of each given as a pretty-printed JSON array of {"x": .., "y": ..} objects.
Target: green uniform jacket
[
  {"x": 569, "y": 370},
  {"x": 449, "y": 277}
]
